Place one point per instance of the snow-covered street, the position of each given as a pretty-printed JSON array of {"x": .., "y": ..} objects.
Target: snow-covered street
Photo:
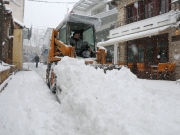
[{"x": 92, "y": 103}]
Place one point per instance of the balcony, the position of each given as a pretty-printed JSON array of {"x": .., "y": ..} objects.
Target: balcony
[{"x": 146, "y": 24}]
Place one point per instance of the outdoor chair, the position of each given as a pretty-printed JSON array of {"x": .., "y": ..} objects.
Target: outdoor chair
[
  {"x": 161, "y": 71},
  {"x": 121, "y": 63},
  {"x": 142, "y": 70},
  {"x": 130, "y": 66},
  {"x": 171, "y": 71}
]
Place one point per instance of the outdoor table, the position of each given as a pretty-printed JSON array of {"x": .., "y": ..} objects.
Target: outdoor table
[{"x": 154, "y": 67}]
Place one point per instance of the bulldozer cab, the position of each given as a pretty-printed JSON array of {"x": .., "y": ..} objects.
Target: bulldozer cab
[{"x": 84, "y": 25}]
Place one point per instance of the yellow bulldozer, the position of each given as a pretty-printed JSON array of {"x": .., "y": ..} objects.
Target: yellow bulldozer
[{"x": 60, "y": 44}]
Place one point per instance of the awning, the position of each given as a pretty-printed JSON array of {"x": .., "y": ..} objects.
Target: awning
[{"x": 133, "y": 36}]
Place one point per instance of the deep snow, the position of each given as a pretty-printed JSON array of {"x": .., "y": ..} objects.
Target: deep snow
[{"x": 92, "y": 103}]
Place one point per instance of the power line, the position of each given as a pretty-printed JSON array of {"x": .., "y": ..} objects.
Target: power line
[{"x": 53, "y": 2}]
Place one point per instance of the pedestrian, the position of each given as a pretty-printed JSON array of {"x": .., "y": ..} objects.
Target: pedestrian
[{"x": 36, "y": 59}]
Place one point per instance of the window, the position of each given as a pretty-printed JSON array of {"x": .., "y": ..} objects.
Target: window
[
  {"x": 131, "y": 55},
  {"x": 62, "y": 34},
  {"x": 141, "y": 53},
  {"x": 88, "y": 36},
  {"x": 148, "y": 9},
  {"x": 162, "y": 50},
  {"x": 130, "y": 14},
  {"x": 111, "y": 6},
  {"x": 175, "y": 38},
  {"x": 165, "y": 6},
  {"x": 110, "y": 53},
  {"x": 150, "y": 50},
  {"x": 145, "y": 9}
]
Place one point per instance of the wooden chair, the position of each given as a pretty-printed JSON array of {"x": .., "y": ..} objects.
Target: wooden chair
[
  {"x": 161, "y": 70},
  {"x": 130, "y": 65},
  {"x": 142, "y": 70},
  {"x": 171, "y": 71},
  {"x": 121, "y": 63}
]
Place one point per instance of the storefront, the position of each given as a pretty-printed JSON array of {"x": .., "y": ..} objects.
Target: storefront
[{"x": 149, "y": 50}]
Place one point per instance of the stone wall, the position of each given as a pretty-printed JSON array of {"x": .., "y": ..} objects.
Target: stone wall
[{"x": 122, "y": 52}]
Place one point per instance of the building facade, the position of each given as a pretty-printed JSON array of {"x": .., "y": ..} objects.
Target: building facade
[
  {"x": 147, "y": 32},
  {"x": 6, "y": 33},
  {"x": 17, "y": 8}
]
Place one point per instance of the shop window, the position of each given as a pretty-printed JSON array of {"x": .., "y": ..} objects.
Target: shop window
[
  {"x": 162, "y": 52},
  {"x": 141, "y": 54},
  {"x": 110, "y": 53},
  {"x": 149, "y": 53},
  {"x": 149, "y": 50},
  {"x": 131, "y": 55}
]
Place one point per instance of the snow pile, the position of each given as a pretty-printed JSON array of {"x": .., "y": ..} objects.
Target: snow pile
[
  {"x": 4, "y": 66},
  {"x": 27, "y": 107},
  {"x": 92, "y": 103},
  {"x": 110, "y": 104}
]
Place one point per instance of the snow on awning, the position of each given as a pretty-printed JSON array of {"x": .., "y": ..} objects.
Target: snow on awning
[
  {"x": 133, "y": 36},
  {"x": 20, "y": 23},
  {"x": 175, "y": 1}
]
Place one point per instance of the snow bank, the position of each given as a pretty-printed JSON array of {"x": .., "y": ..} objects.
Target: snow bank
[
  {"x": 4, "y": 66},
  {"x": 27, "y": 107},
  {"x": 92, "y": 103},
  {"x": 110, "y": 104}
]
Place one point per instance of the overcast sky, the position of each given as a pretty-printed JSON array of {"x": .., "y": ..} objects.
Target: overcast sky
[{"x": 42, "y": 15}]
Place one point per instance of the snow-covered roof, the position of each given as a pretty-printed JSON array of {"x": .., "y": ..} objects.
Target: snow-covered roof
[
  {"x": 84, "y": 5},
  {"x": 132, "y": 36},
  {"x": 106, "y": 13},
  {"x": 9, "y": 10},
  {"x": 81, "y": 19},
  {"x": 18, "y": 22}
]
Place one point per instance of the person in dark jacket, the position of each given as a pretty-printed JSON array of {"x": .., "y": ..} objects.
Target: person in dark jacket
[
  {"x": 77, "y": 42},
  {"x": 36, "y": 59}
]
